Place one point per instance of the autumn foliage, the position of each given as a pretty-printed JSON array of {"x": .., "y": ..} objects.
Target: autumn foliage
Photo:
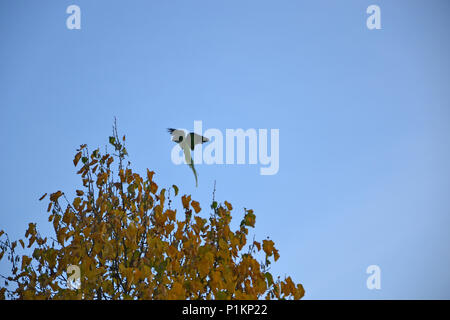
[{"x": 133, "y": 240}]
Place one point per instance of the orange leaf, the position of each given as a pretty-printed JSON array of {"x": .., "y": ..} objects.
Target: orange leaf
[
  {"x": 153, "y": 187},
  {"x": 54, "y": 196},
  {"x": 196, "y": 206},
  {"x": 150, "y": 175},
  {"x": 171, "y": 214},
  {"x": 77, "y": 158},
  {"x": 185, "y": 200}
]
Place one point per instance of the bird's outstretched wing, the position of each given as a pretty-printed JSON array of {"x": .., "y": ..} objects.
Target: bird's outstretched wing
[
  {"x": 189, "y": 160},
  {"x": 194, "y": 139}
]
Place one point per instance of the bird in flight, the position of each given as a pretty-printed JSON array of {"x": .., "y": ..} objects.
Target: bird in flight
[{"x": 187, "y": 142}]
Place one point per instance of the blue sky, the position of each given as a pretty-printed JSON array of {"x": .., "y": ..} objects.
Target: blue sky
[{"x": 363, "y": 117}]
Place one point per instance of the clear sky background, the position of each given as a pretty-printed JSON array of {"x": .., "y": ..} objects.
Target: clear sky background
[{"x": 364, "y": 120}]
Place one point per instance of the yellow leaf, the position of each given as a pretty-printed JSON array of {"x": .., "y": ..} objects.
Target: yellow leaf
[
  {"x": 25, "y": 262},
  {"x": 162, "y": 197},
  {"x": 229, "y": 206},
  {"x": 178, "y": 291},
  {"x": 205, "y": 264},
  {"x": 200, "y": 222},
  {"x": 172, "y": 251},
  {"x": 268, "y": 247},
  {"x": 76, "y": 202},
  {"x": 249, "y": 218},
  {"x": 87, "y": 232}
]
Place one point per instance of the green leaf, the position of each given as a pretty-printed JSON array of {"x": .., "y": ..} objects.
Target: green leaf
[
  {"x": 112, "y": 140},
  {"x": 131, "y": 188},
  {"x": 84, "y": 159},
  {"x": 214, "y": 204},
  {"x": 269, "y": 278},
  {"x": 176, "y": 190},
  {"x": 221, "y": 295}
]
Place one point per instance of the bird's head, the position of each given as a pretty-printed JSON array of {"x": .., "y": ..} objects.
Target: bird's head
[{"x": 177, "y": 135}]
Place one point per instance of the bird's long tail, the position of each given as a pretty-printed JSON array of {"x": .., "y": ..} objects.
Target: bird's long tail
[
  {"x": 195, "y": 172},
  {"x": 190, "y": 161}
]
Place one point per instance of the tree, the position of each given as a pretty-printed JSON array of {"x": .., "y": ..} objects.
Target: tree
[{"x": 128, "y": 242}]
